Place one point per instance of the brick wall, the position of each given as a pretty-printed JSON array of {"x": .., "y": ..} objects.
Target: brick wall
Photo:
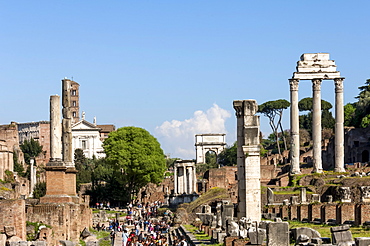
[
  {"x": 345, "y": 211},
  {"x": 302, "y": 212},
  {"x": 328, "y": 211},
  {"x": 12, "y": 213},
  {"x": 314, "y": 212},
  {"x": 66, "y": 219},
  {"x": 362, "y": 213},
  {"x": 293, "y": 212}
]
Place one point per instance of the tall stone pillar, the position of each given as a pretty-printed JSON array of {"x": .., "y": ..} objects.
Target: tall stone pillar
[
  {"x": 175, "y": 181},
  {"x": 294, "y": 127},
  {"x": 55, "y": 168},
  {"x": 55, "y": 129},
  {"x": 67, "y": 123},
  {"x": 70, "y": 175},
  {"x": 248, "y": 160},
  {"x": 339, "y": 126},
  {"x": 195, "y": 179},
  {"x": 185, "y": 181},
  {"x": 316, "y": 125},
  {"x": 190, "y": 184}
]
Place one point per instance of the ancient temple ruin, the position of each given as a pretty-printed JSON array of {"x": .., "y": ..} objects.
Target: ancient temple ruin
[
  {"x": 316, "y": 67},
  {"x": 185, "y": 181}
]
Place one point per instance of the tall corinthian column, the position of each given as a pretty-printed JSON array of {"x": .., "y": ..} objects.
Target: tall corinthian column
[
  {"x": 339, "y": 126},
  {"x": 316, "y": 125},
  {"x": 294, "y": 126}
]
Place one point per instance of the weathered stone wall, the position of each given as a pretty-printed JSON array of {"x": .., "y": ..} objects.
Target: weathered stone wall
[
  {"x": 12, "y": 213},
  {"x": 358, "y": 212},
  {"x": 66, "y": 219},
  {"x": 152, "y": 192},
  {"x": 224, "y": 177},
  {"x": 8, "y": 142}
]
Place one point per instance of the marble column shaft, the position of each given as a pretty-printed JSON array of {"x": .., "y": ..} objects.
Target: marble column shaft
[
  {"x": 175, "y": 182},
  {"x": 294, "y": 127},
  {"x": 185, "y": 180},
  {"x": 339, "y": 126},
  {"x": 195, "y": 179},
  {"x": 190, "y": 184},
  {"x": 55, "y": 129},
  {"x": 316, "y": 125}
]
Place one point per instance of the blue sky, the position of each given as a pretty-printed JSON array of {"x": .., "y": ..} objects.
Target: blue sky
[{"x": 173, "y": 67}]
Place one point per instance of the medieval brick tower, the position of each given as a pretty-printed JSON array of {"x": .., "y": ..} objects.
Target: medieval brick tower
[{"x": 75, "y": 101}]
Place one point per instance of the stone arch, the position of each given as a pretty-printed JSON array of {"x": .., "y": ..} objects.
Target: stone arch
[
  {"x": 208, "y": 142},
  {"x": 365, "y": 156}
]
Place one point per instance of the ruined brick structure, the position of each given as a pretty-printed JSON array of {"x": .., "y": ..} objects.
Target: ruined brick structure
[
  {"x": 8, "y": 147},
  {"x": 13, "y": 213},
  {"x": 39, "y": 131},
  {"x": 357, "y": 212},
  {"x": 224, "y": 177}
]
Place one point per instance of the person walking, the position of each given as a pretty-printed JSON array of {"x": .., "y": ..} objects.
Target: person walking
[
  {"x": 112, "y": 236},
  {"x": 124, "y": 238}
]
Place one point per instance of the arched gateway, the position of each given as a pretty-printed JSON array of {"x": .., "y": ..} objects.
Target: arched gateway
[{"x": 208, "y": 142}]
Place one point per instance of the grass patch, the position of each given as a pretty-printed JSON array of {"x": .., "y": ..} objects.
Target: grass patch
[
  {"x": 324, "y": 230},
  {"x": 99, "y": 234},
  {"x": 212, "y": 194}
]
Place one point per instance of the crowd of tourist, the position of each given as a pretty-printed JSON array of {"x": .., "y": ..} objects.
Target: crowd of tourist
[{"x": 142, "y": 226}]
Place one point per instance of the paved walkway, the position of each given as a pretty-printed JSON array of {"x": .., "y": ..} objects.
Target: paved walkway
[{"x": 118, "y": 241}]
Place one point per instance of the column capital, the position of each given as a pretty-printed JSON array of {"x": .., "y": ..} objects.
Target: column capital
[
  {"x": 293, "y": 84},
  {"x": 338, "y": 82},
  {"x": 238, "y": 110},
  {"x": 316, "y": 84}
]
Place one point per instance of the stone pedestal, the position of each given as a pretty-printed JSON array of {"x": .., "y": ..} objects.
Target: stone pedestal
[
  {"x": 278, "y": 234},
  {"x": 56, "y": 185}
]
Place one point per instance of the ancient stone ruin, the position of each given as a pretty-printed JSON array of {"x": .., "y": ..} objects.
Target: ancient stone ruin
[
  {"x": 65, "y": 214},
  {"x": 316, "y": 67}
]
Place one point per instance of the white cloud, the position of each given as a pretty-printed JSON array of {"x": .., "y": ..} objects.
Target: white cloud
[{"x": 178, "y": 137}]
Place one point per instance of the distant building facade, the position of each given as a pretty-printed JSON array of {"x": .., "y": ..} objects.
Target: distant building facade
[
  {"x": 39, "y": 131},
  {"x": 105, "y": 130},
  {"x": 86, "y": 136}
]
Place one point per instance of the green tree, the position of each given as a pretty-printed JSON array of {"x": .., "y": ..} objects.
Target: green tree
[
  {"x": 362, "y": 106},
  {"x": 136, "y": 159},
  {"x": 211, "y": 159},
  {"x": 305, "y": 121},
  {"x": 18, "y": 167},
  {"x": 228, "y": 156},
  {"x": 102, "y": 180},
  {"x": 30, "y": 148},
  {"x": 84, "y": 167},
  {"x": 39, "y": 190},
  {"x": 365, "y": 122},
  {"x": 349, "y": 114},
  {"x": 274, "y": 111}
]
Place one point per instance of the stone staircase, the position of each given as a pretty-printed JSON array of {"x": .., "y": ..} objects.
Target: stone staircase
[{"x": 190, "y": 238}]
